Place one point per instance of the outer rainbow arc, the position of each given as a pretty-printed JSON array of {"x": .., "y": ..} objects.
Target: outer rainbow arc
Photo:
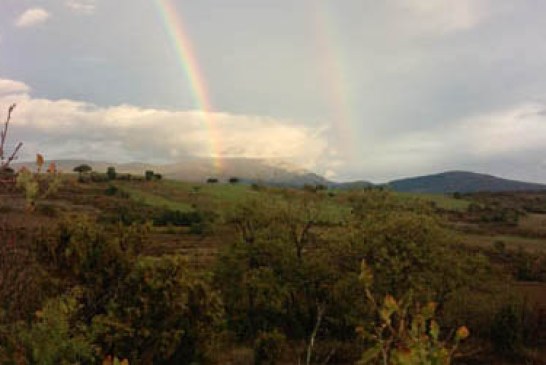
[
  {"x": 174, "y": 27},
  {"x": 334, "y": 75}
]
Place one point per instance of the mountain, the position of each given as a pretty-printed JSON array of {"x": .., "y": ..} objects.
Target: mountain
[
  {"x": 281, "y": 173},
  {"x": 460, "y": 181},
  {"x": 267, "y": 171},
  {"x": 352, "y": 185}
]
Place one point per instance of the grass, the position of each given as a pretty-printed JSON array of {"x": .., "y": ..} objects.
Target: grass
[
  {"x": 512, "y": 242},
  {"x": 155, "y": 200},
  {"x": 442, "y": 201}
]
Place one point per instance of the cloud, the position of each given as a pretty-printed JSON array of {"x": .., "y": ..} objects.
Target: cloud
[
  {"x": 505, "y": 141},
  {"x": 444, "y": 16},
  {"x": 11, "y": 87},
  {"x": 32, "y": 17},
  {"x": 81, "y": 6},
  {"x": 74, "y": 129}
]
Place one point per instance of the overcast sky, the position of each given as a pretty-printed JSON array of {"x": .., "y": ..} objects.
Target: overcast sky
[{"x": 353, "y": 89}]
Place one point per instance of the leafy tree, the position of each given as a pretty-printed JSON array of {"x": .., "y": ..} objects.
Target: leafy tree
[
  {"x": 212, "y": 180},
  {"x": 82, "y": 169},
  {"x": 277, "y": 277}
]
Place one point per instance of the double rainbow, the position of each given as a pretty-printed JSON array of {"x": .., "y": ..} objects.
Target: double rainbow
[{"x": 334, "y": 74}]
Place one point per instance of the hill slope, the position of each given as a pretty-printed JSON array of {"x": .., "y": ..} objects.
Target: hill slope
[
  {"x": 267, "y": 171},
  {"x": 460, "y": 181}
]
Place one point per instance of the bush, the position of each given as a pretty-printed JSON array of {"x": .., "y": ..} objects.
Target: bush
[
  {"x": 48, "y": 210},
  {"x": 507, "y": 330},
  {"x": 163, "y": 313},
  {"x": 111, "y": 190}
]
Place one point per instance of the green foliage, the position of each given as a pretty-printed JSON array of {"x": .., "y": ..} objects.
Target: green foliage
[
  {"x": 27, "y": 182},
  {"x": 56, "y": 336},
  {"x": 276, "y": 277},
  {"x": 164, "y": 313}
]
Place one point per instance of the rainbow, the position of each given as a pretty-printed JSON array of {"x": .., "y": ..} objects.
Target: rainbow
[
  {"x": 174, "y": 27},
  {"x": 334, "y": 75}
]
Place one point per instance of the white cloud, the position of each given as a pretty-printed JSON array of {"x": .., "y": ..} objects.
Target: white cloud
[
  {"x": 68, "y": 128},
  {"x": 32, "y": 17},
  {"x": 513, "y": 134},
  {"x": 81, "y": 6},
  {"x": 10, "y": 87},
  {"x": 444, "y": 16}
]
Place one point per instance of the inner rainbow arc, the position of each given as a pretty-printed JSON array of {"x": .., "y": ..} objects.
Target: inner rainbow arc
[{"x": 174, "y": 27}]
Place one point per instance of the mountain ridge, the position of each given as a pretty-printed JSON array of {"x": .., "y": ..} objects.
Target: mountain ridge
[{"x": 279, "y": 173}]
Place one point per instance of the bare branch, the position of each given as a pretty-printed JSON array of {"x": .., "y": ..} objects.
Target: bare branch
[{"x": 3, "y": 135}]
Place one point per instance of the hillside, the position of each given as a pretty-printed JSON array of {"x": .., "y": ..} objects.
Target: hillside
[
  {"x": 269, "y": 171},
  {"x": 460, "y": 181}
]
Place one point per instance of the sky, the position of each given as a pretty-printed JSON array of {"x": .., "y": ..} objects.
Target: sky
[{"x": 350, "y": 89}]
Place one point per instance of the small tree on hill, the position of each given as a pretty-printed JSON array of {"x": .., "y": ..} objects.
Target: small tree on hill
[
  {"x": 234, "y": 180},
  {"x": 149, "y": 174},
  {"x": 111, "y": 173},
  {"x": 212, "y": 180},
  {"x": 82, "y": 169}
]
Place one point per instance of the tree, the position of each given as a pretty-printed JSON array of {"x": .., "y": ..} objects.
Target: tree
[
  {"x": 111, "y": 173},
  {"x": 234, "y": 180},
  {"x": 82, "y": 169},
  {"x": 212, "y": 180},
  {"x": 149, "y": 174}
]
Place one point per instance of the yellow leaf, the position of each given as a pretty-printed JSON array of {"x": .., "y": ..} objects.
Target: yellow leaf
[
  {"x": 39, "y": 160},
  {"x": 52, "y": 168},
  {"x": 462, "y": 333}
]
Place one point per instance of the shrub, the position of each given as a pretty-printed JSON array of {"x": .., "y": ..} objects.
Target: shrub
[
  {"x": 507, "y": 330},
  {"x": 163, "y": 313}
]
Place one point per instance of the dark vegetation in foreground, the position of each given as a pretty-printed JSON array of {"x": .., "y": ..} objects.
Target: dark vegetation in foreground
[{"x": 163, "y": 272}]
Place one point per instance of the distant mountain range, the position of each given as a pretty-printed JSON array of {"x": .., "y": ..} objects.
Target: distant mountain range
[
  {"x": 460, "y": 181},
  {"x": 280, "y": 173}
]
